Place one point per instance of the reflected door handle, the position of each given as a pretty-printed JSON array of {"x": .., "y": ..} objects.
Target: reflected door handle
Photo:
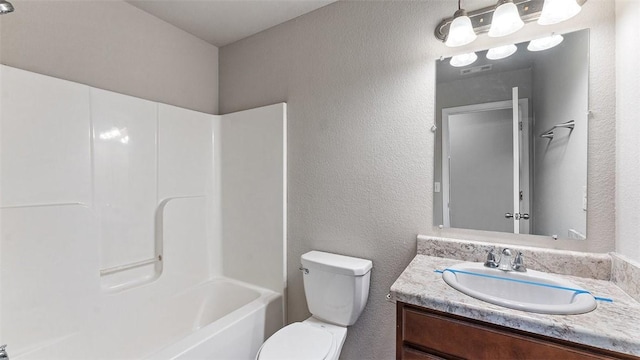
[{"x": 517, "y": 216}]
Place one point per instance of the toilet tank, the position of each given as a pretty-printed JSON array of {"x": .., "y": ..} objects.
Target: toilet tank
[{"x": 336, "y": 286}]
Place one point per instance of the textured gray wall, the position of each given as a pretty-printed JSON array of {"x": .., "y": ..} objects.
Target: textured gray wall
[
  {"x": 358, "y": 78},
  {"x": 628, "y": 95},
  {"x": 359, "y": 88},
  {"x": 113, "y": 46}
]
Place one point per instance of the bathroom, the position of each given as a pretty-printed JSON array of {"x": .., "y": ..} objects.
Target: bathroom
[{"x": 358, "y": 80}]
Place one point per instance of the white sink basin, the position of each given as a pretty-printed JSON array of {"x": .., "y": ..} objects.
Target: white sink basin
[{"x": 520, "y": 291}]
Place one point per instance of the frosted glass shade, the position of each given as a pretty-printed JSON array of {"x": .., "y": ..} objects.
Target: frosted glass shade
[
  {"x": 501, "y": 52},
  {"x": 5, "y": 7},
  {"x": 506, "y": 20},
  {"x": 460, "y": 32},
  {"x": 463, "y": 60},
  {"x": 544, "y": 43},
  {"x": 555, "y": 11}
]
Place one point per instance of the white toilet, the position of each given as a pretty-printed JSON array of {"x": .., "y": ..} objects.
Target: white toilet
[{"x": 337, "y": 288}]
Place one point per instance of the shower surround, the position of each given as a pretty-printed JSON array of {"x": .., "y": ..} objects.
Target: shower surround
[{"x": 111, "y": 215}]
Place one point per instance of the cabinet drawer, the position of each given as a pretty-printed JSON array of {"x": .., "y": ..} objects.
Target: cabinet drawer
[
  {"x": 412, "y": 354},
  {"x": 467, "y": 340}
]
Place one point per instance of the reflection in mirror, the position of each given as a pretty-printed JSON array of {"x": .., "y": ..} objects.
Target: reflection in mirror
[{"x": 511, "y": 144}]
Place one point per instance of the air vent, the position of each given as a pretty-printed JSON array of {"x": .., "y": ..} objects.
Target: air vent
[{"x": 476, "y": 69}]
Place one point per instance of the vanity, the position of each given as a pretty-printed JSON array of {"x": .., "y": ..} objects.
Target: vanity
[
  {"x": 436, "y": 321},
  {"x": 511, "y": 138}
]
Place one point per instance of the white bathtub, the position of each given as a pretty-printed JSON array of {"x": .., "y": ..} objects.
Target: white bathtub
[
  {"x": 232, "y": 323},
  {"x": 220, "y": 319}
]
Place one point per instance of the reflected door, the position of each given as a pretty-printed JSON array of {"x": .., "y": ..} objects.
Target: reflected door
[{"x": 485, "y": 167}]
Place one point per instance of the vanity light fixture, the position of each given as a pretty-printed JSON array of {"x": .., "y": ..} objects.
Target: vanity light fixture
[
  {"x": 483, "y": 20},
  {"x": 5, "y": 7},
  {"x": 545, "y": 43},
  {"x": 555, "y": 11},
  {"x": 501, "y": 52},
  {"x": 506, "y": 19},
  {"x": 463, "y": 59},
  {"x": 460, "y": 31}
]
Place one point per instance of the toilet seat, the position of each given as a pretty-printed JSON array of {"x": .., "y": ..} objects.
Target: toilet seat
[{"x": 298, "y": 341}]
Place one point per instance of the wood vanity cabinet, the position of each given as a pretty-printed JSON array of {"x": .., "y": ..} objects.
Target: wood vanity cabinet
[{"x": 429, "y": 334}]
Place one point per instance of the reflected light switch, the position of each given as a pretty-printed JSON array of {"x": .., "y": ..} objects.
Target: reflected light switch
[{"x": 436, "y": 187}]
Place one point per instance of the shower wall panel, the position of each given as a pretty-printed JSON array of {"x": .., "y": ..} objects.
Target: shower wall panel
[
  {"x": 102, "y": 192},
  {"x": 184, "y": 222},
  {"x": 185, "y": 139},
  {"x": 91, "y": 179},
  {"x": 125, "y": 178},
  {"x": 49, "y": 276},
  {"x": 254, "y": 195},
  {"x": 185, "y": 183},
  {"x": 45, "y": 137}
]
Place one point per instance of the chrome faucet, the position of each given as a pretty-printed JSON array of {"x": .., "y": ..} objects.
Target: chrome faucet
[
  {"x": 506, "y": 262},
  {"x": 3, "y": 352}
]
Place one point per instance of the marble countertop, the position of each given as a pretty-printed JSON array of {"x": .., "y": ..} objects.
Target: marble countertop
[{"x": 614, "y": 326}]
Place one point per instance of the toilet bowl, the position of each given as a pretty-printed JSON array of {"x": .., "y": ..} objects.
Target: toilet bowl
[
  {"x": 311, "y": 339},
  {"x": 337, "y": 289}
]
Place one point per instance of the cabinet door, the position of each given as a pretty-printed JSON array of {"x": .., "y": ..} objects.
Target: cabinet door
[{"x": 459, "y": 338}]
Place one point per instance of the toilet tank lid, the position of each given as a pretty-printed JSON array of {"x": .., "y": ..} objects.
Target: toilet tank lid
[{"x": 338, "y": 264}]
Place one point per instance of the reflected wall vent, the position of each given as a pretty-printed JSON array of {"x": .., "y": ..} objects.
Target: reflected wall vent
[{"x": 476, "y": 69}]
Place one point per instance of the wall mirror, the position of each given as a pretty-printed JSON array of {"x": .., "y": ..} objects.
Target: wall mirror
[{"x": 511, "y": 140}]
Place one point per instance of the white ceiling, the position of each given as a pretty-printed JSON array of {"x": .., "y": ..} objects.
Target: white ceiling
[{"x": 221, "y": 22}]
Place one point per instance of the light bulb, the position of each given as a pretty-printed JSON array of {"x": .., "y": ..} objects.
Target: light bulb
[
  {"x": 463, "y": 60},
  {"x": 501, "y": 52},
  {"x": 506, "y": 20},
  {"x": 555, "y": 11},
  {"x": 545, "y": 43},
  {"x": 460, "y": 31}
]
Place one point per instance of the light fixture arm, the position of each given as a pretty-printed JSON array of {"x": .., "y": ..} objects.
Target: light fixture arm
[
  {"x": 459, "y": 12},
  {"x": 529, "y": 10}
]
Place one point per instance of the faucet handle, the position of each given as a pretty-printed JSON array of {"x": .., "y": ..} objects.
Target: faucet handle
[
  {"x": 518, "y": 263},
  {"x": 491, "y": 261}
]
